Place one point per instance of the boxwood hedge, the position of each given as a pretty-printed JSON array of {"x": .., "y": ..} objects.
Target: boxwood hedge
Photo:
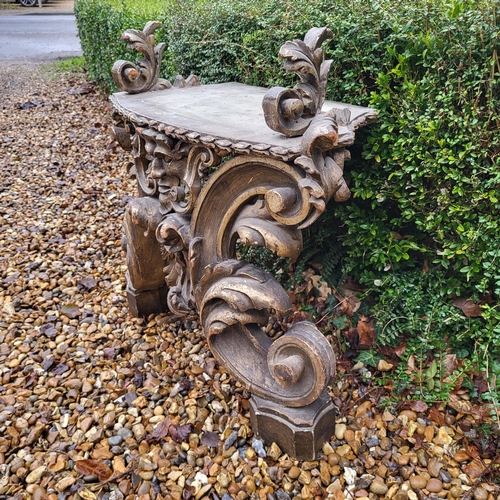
[{"x": 423, "y": 218}]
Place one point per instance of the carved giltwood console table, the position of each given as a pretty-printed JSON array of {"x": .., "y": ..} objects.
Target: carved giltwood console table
[{"x": 285, "y": 152}]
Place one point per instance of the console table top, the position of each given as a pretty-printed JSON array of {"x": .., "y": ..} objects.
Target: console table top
[{"x": 223, "y": 112}]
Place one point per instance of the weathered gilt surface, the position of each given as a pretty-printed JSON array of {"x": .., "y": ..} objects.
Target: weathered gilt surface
[{"x": 193, "y": 208}]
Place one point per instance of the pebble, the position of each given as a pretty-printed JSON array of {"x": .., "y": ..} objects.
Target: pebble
[
  {"x": 139, "y": 432},
  {"x": 258, "y": 446},
  {"x": 378, "y": 488},
  {"x": 434, "y": 485},
  {"x": 115, "y": 440},
  {"x": 294, "y": 472},
  {"x": 64, "y": 483},
  {"x": 125, "y": 433},
  {"x": 231, "y": 440},
  {"x": 480, "y": 493},
  {"x": 340, "y": 431},
  {"x": 418, "y": 482},
  {"x": 36, "y": 474},
  {"x": 434, "y": 467}
]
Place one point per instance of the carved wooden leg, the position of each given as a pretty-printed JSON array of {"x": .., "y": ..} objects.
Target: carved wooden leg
[
  {"x": 260, "y": 201},
  {"x": 146, "y": 287}
]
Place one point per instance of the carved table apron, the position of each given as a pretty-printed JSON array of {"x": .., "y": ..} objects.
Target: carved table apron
[{"x": 211, "y": 173}]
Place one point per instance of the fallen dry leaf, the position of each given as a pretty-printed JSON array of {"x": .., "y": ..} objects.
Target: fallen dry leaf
[
  {"x": 347, "y": 305},
  {"x": 475, "y": 468},
  {"x": 436, "y": 416},
  {"x": 366, "y": 332},
  {"x": 418, "y": 406},
  {"x": 90, "y": 467},
  {"x": 166, "y": 428},
  {"x": 210, "y": 439},
  {"x": 71, "y": 310},
  {"x": 469, "y": 307}
]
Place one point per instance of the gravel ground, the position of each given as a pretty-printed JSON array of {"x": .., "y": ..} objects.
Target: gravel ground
[{"x": 95, "y": 404}]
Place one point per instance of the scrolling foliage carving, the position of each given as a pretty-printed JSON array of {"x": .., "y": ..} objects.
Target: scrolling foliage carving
[
  {"x": 143, "y": 75},
  {"x": 235, "y": 299},
  {"x": 290, "y": 111}
]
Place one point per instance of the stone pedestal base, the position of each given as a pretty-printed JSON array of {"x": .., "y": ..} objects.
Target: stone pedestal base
[
  {"x": 300, "y": 432},
  {"x": 147, "y": 302}
]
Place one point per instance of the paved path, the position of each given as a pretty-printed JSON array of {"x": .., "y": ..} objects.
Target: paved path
[{"x": 38, "y": 36}]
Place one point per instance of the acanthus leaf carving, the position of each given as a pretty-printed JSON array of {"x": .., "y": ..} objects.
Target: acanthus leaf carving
[
  {"x": 323, "y": 163},
  {"x": 142, "y": 76},
  {"x": 236, "y": 302},
  {"x": 254, "y": 226},
  {"x": 173, "y": 233},
  {"x": 290, "y": 111}
]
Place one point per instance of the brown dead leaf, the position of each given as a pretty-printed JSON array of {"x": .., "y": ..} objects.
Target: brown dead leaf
[
  {"x": 469, "y": 307},
  {"x": 400, "y": 350},
  {"x": 210, "y": 439},
  {"x": 450, "y": 364},
  {"x": 71, "y": 310},
  {"x": 91, "y": 467},
  {"x": 366, "y": 332},
  {"x": 474, "y": 469},
  {"x": 411, "y": 364},
  {"x": 352, "y": 337},
  {"x": 481, "y": 385},
  {"x": 480, "y": 412},
  {"x": 426, "y": 267},
  {"x": 179, "y": 433},
  {"x": 418, "y": 406},
  {"x": 436, "y": 416},
  {"x": 347, "y": 305},
  {"x": 86, "y": 88},
  {"x": 472, "y": 450}
]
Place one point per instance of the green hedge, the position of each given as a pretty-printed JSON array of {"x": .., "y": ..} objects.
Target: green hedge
[{"x": 425, "y": 179}]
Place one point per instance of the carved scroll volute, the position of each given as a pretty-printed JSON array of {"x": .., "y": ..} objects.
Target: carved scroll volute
[
  {"x": 290, "y": 111},
  {"x": 259, "y": 201},
  {"x": 323, "y": 162},
  {"x": 142, "y": 76}
]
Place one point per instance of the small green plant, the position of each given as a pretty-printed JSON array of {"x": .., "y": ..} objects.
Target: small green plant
[{"x": 69, "y": 65}]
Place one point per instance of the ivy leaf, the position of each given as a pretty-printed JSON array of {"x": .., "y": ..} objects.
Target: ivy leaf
[{"x": 369, "y": 358}]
